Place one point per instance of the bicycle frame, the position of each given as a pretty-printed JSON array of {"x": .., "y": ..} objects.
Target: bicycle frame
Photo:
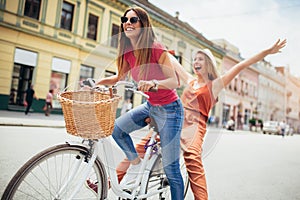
[
  {"x": 139, "y": 185},
  {"x": 83, "y": 177},
  {"x": 69, "y": 183}
]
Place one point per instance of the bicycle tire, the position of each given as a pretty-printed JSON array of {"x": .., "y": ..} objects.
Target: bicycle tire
[
  {"x": 43, "y": 175},
  {"x": 157, "y": 179}
]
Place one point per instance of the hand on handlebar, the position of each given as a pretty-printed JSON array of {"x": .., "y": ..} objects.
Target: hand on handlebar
[
  {"x": 146, "y": 86},
  {"x": 132, "y": 87}
]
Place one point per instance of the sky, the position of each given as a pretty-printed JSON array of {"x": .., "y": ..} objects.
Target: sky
[{"x": 250, "y": 25}]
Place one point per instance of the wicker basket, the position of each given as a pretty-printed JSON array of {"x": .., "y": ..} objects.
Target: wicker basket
[{"x": 89, "y": 114}]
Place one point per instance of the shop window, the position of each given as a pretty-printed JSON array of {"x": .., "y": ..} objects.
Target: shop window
[
  {"x": 247, "y": 116},
  {"x": 24, "y": 65},
  {"x": 86, "y": 72},
  {"x": 225, "y": 113},
  {"x": 32, "y": 8},
  {"x": 58, "y": 82},
  {"x": 92, "y": 27},
  {"x": 114, "y": 36},
  {"x": 21, "y": 81},
  {"x": 67, "y": 16},
  {"x": 59, "y": 77}
]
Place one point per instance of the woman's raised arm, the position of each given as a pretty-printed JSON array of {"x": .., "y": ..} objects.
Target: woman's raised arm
[{"x": 225, "y": 79}]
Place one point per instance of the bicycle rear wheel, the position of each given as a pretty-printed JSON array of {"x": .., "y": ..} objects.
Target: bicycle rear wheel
[
  {"x": 158, "y": 179},
  {"x": 43, "y": 176}
]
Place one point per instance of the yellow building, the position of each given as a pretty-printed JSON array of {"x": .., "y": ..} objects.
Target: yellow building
[{"x": 53, "y": 44}]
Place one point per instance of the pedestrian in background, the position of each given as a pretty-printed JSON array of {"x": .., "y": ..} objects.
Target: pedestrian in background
[
  {"x": 28, "y": 98},
  {"x": 48, "y": 104},
  {"x": 282, "y": 126}
]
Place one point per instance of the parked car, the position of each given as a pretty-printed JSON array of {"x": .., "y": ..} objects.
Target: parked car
[{"x": 271, "y": 127}]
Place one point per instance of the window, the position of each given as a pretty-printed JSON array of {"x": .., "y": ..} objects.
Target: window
[
  {"x": 32, "y": 8},
  {"x": 59, "y": 77},
  {"x": 67, "y": 16},
  {"x": 179, "y": 58},
  {"x": 114, "y": 36},
  {"x": 86, "y": 72},
  {"x": 235, "y": 84},
  {"x": 109, "y": 73},
  {"x": 247, "y": 116},
  {"x": 58, "y": 82},
  {"x": 92, "y": 27}
]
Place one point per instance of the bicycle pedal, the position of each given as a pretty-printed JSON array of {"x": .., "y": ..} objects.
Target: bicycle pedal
[{"x": 165, "y": 182}]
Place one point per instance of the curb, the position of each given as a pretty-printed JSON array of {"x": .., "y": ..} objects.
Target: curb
[{"x": 32, "y": 125}]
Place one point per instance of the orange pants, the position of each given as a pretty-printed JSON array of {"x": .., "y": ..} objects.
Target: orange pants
[{"x": 192, "y": 141}]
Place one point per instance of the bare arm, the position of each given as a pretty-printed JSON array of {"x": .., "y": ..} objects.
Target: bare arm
[
  {"x": 170, "y": 82},
  {"x": 181, "y": 72},
  {"x": 108, "y": 80},
  {"x": 225, "y": 79}
]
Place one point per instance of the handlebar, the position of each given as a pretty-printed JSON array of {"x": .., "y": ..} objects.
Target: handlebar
[{"x": 129, "y": 86}]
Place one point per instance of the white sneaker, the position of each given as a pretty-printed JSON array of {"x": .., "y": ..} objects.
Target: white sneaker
[{"x": 131, "y": 174}]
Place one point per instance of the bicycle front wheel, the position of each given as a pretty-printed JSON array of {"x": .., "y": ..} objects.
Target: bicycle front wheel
[{"x": 48, "y": 176}]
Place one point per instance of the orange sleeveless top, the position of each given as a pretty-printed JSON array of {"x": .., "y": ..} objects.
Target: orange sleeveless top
[{"x": 197, "y": 103}]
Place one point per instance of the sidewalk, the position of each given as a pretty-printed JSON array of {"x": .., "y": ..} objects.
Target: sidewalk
[{"x": 13, "y": 118}]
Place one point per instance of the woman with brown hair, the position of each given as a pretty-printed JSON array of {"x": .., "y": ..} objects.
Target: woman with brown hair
[{"x": 147, "y": 61}]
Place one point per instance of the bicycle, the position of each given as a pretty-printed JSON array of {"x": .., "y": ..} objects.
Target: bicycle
[{"x": 60, "y": 172}]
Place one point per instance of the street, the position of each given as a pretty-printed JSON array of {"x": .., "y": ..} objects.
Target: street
[{"x": 239, "y": 165}]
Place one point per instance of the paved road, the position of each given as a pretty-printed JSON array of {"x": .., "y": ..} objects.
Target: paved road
[{"x": 239, "y": 165}]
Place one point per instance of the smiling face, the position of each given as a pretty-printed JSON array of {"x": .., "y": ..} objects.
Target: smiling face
[
  {"x": 199, "y": 64},
  {"x": 131, "y": 29}
]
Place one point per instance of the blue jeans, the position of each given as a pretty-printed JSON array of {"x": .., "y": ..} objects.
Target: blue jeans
[{"x": 169, "y": 119}]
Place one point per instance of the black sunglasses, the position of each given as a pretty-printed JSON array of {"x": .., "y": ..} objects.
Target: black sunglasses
[{"x": 132, "y": 20}]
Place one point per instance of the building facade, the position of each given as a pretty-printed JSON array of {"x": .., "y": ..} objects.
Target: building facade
[{"x": 54, "y": 44}]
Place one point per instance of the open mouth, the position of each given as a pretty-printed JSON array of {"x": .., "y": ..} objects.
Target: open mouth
[
  {"x": 197, "y": 68},
  {"x": 129, "y": 29}
]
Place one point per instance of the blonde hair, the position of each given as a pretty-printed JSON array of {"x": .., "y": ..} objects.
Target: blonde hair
[
  {"x": 211, "y": 69},
  {"x": 211, "y": 64},
  {"x": 144, "y": 44}
]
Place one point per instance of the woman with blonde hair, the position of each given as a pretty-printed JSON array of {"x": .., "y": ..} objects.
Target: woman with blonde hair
[{"x": 198, "y": 99}]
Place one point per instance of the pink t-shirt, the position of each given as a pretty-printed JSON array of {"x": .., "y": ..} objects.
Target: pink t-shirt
[{"x": 162, "y": 96}]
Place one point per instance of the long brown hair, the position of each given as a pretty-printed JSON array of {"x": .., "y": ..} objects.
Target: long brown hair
[{"x": 144, "y": 44}]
